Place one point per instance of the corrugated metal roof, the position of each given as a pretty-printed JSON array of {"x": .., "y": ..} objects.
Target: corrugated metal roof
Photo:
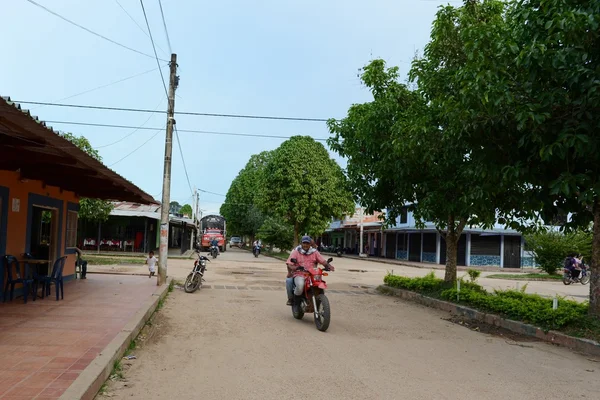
[
  {"x": 128, "y": 209},
  {"x": 52, "y": 143}
]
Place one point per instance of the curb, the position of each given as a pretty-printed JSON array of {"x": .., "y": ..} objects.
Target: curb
[
  {"x": 586, "y": 346},
  {"x": 89, "y": 382}
]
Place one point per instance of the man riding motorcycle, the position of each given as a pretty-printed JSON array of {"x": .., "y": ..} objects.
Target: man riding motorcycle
[
  {"x": 307, "y": 256},
  {"x": 214, "y": 242}
]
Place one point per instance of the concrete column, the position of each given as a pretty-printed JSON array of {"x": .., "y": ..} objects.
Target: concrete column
[
  {"x": 502, "y": 251},
  {"x": 468, "y": 258}
]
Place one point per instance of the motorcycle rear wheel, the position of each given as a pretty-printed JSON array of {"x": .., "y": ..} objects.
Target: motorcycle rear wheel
[
  {"x": 324, "y": 318},
  {"x": 192, "y": 283}
]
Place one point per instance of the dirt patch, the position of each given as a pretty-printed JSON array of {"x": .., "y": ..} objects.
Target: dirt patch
[{"x": 477, "y": 326}]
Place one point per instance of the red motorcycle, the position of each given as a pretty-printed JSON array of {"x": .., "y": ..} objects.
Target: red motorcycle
[{"x": 313, "y": 299}]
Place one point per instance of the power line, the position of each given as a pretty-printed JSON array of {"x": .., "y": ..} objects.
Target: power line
[
  {"x": 137, "y": 148},
  {"x": 177, "y": 112},
  {"x": 217, "y": 194},
  {"x": 101, "y": 87},
  {"x": 89, "y": 30},
  {"x": 165, "y": 25},
  {"x": 154, "y": 48},
  {"x": 138, "y": 25},
  {"x": 183, "y": 160},
  {"x": 183, "y": 130},
  {"x": 132, "y": 132}
]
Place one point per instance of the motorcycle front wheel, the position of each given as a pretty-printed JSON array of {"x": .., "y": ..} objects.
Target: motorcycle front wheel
[
  {"x": 297, "y": 308},
  {"x": 192, "y": 283},
  {"x": 324, "y": 313},
  {"x": 585, "y": 280},
  {"x": 567, "y": 279}
]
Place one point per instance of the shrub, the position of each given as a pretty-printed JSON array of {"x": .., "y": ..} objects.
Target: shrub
[
  {"x": 529, "y": 308},
  {"x": 474, "y": 274},
  {"x": 513, "y": 304},
  {"x": 550, "y": 248}
]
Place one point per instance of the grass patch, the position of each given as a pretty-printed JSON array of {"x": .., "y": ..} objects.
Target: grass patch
[
  {"x": 104, "y": 260},
  {"x": 544, "y": 277},
  {"x": 570, "y": 317},
  {"x": 171, "y": 285},
  {"x": 117, "y": 370}
]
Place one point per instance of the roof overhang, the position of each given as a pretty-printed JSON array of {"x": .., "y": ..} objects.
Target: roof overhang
[{"x": 37, "y": 152}]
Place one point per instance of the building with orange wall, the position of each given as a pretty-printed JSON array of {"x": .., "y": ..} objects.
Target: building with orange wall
[{"x": 42, "y": 177}]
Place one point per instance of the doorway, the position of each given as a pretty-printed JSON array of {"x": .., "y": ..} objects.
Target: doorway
[
  {"x": 512, "y": 252},
  {"x": 43, "y": 236},
  {"x": 414, "y": 244}
]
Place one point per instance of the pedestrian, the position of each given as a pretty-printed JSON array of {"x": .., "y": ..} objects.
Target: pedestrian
[
  {"x": 81, "y": 262},
  {"x": 151, "y": 261}
]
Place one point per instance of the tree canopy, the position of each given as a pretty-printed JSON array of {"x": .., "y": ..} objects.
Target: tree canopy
[
  {"x": 90, "y": 209},
  {"x": 186, "y": 209},
  {"x": 241, "y": 208},
  {"x": 305, "y": 187}
]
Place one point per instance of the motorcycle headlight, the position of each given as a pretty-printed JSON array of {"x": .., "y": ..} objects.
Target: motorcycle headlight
[{"x": 317, "y": 277}]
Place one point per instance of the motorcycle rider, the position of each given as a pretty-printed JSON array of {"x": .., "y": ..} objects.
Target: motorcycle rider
[
  {"x": 257, "y": 243},
  {"x": 214, "y": 242},
  {"x": 307, "y": 256},
  {"x": 573, "y": 264}
]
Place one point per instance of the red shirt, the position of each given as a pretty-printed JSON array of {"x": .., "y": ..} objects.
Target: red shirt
[{"x": 304, "y": 260}]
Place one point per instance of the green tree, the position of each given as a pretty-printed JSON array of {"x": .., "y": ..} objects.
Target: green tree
[
  {"x": 550, "y": 247},
  {"x": 186, "y": 209},
  {"x": 241, "y": 209},
  {"x": 400, "y": 153},
  {"x": 90, "y": 209},
  {"x": 277, "y": 233},
  {"x": 529, "y": 103},
  {"x": 174, "y": 207},
  {"x": 305, "y": 187}
]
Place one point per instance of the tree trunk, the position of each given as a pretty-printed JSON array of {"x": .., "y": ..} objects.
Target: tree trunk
[
  {"x": 595, "y": 264},
  {"x": 451, "y": 256}
]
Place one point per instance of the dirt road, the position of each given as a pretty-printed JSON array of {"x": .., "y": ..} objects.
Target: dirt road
[{"x": 238, "y": 340}]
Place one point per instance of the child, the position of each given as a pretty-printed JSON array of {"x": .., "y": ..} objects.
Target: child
[{"x": 151, "y": 261}]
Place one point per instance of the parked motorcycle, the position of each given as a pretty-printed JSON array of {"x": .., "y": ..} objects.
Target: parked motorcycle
[
  {"x": 256, "y": 251},
  {"x": 196, "y": 277},
  {"x": 584, "y": 276},
  {"x": 313, "y": 299},
  {"x": 214, "y": 251}
]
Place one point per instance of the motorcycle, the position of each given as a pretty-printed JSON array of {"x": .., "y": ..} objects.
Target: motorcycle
[
  {"x": 196, "y": 277},
  {"x": 339, "y": 251},
  {"x": 313, "y": 299},
  {"x": 214, "y": 251},
  {"x": 584, "y": 276},
  {"x": 256, "y": 251}
]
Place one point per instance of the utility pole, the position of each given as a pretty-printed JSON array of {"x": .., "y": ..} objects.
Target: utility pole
[
  {"x": 166, "y": 192},
  {"x": 194, "y": 217}
]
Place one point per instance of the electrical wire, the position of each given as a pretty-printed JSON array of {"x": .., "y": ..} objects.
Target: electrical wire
[
  {"x": 89, "y": 30},
  {"x": 183, "y": 130},
  {"x": 165, "y": 25},
  {"x": 176, "y": 112},
  {"x": 138, "y": 25},
  {"x": 154, "y": 48},
  {"x": 137, "y": 148},
  {"x": 101, "y": 87},
  {"x": 132, "y": 132},
  {"x": 183, "y": 160}
]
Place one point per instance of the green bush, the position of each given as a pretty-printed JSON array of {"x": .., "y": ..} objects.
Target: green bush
[
  {"x": 550, "y": 248},
  {"x": 474, "y": 274},
  {"x": 513, "y": 304},
  {"x": 529, "y": 308}
]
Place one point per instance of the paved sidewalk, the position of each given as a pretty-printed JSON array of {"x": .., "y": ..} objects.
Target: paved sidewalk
[{"x": 46, "y": 344}]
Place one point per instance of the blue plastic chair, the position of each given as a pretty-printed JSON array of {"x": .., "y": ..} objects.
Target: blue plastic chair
[
  {"x": 55, "y": 277},
  {"x": 11, "y": 263}
]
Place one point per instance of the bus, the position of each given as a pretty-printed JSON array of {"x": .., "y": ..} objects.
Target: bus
[{"x": 213, "y": 226}]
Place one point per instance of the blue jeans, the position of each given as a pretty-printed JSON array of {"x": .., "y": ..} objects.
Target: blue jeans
[{"x": 294, "y": 285}]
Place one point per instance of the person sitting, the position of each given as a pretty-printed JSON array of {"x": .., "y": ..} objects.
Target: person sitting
[
  {"x": 81, "y": 262},
  {"x": 307, "y": 256}
]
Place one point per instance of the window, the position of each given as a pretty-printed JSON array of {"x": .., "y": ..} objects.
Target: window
[
  {"x": 404, "y": 215},
  {"x": 71, "y": 229}
]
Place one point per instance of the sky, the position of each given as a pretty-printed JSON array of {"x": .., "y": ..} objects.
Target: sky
[{"x": 265, "y": 57}]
